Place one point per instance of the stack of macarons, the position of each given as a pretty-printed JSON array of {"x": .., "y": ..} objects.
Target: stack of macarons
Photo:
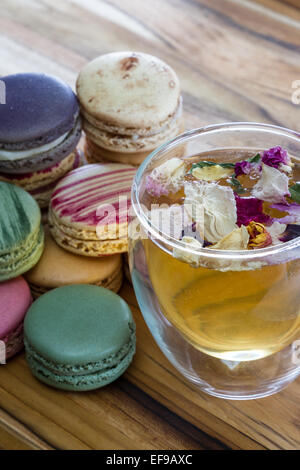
[
  {"x": 78, "y": 333},
  {"x": 21, "y": 246},
  {"x": 130, "y": 104},
  {"x": 72, "y": 266},
  {"x": 40, "y": 128}
]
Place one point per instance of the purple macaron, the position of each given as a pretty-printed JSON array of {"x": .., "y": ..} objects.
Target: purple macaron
[{"x": 39, "y": 123}]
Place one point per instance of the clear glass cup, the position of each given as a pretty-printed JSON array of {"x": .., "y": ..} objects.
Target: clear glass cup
[{"x": 232, "y": 325}]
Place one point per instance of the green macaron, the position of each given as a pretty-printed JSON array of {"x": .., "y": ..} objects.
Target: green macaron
[
  {"x": 21, "y": 234},
  {"x": 79, "y": 337}
]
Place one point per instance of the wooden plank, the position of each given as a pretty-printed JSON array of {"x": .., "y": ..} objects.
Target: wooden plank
[
  {"x": 118, "y": 416},
  {"x": 15, "y": 436}
]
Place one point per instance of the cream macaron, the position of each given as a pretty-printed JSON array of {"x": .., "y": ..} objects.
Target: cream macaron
[
  {"x": 88, "y": 212},
  {"x": 58, "y": 267},
  {"x": 130, "y": 103}
]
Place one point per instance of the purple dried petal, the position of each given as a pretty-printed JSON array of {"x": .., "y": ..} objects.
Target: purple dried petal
[
  {"x": 245, "y": 167},
  {"x": 275, "y": 157},
  {"x": 242, "y": 168},
  {"x": 250, "y": 209},
  {"x": 293, "y": 211},
  {"x": 291, "y": 232}
]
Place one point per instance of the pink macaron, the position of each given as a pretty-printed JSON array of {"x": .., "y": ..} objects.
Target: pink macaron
[{"x": 15, "y": 300}]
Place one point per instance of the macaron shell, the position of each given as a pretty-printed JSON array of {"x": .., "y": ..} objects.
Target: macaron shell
[
  {"x": 79, "y": 325},
  {"x": 119, "y": 142},
  {"x": 23, "y": 258},
  {"x": 15, "y": 300},
  {"x": 129, "y": 89},
  {"x": 92, "y": 202},
  {"x": 14, "y": 342},
  {"x": 20, "y": 216},
  {"x": 39, "y": 108},
  {"x": 21, "y": 234},
  {"x": 58, "y": 267},
  {"x": 113, "y": 283},
  {"x": 79, "y": 383},
  {"x": 46, "y": 159},
  {"x": 96, "y": 154},
  {"x": 41, "y": 184},
  {"x": 96, "y": 248}
]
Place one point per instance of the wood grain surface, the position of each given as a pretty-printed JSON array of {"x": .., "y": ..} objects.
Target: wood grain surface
[{"x": 237, "y": 60}]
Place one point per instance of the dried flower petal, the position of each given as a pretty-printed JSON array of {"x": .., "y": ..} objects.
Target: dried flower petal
[
  {"x": 190, "y": 258},
  {"x": 216, "y": 203},
  {"x": 242, "y": 168},
  {"x": 170, "y": 220},
  {"x": 291, "y": 232},
  {"x": 259, "y": 236},
  {"x": 250, "y": 209},
  {"x": 272, "y": 186},
  {"x": 211, "y": 173},
  {"x": 293, "y": 211},
  {"x": 275, "y": 230},
  {"x": 236, "y": 240},
  {"x": 166, "y": 178},
  {"x": 154, "y": 188},
  {"x": 277, "y": 157},
  {"x": 248, "y": 166}
]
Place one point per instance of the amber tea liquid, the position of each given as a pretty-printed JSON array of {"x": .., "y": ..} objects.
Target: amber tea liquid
[{"x": 233, "y": 315}]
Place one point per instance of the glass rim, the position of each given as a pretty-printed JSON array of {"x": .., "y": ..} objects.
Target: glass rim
[{"x": 203, "y": 251}]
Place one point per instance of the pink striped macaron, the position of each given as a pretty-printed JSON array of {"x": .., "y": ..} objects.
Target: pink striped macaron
[
  {"x": 89, "y": 209},
  {"x": 15, "y": 301}
]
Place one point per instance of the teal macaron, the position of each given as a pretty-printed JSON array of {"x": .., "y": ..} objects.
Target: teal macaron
[
  {"x": 21, "y": 233},
  {"x": 79, "y": 337}
]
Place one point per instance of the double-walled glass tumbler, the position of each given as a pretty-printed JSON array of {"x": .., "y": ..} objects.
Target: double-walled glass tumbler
[{"x": 231, "y": 325}]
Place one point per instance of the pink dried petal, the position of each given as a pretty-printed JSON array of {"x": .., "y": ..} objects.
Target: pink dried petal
[{"x": 154, "y": 188}]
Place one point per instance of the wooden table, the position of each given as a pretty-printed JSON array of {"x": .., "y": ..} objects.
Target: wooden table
[{"x": 236, "y": 61}]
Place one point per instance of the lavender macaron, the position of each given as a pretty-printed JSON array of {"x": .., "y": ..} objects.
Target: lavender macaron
[{"x": 39, "y": 130}]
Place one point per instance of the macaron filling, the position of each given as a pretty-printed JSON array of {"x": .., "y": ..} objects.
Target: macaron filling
[
  {"x": 34, "y": 162},
  {"x": 83, "y": 375},
  {"x": 22, "y": 258},
  {"x": 103, "y": 365},
  {"x": 20, "y": 154},
  {"x": 135, "y": 142},
  {"x": 137, "y": 132}
]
